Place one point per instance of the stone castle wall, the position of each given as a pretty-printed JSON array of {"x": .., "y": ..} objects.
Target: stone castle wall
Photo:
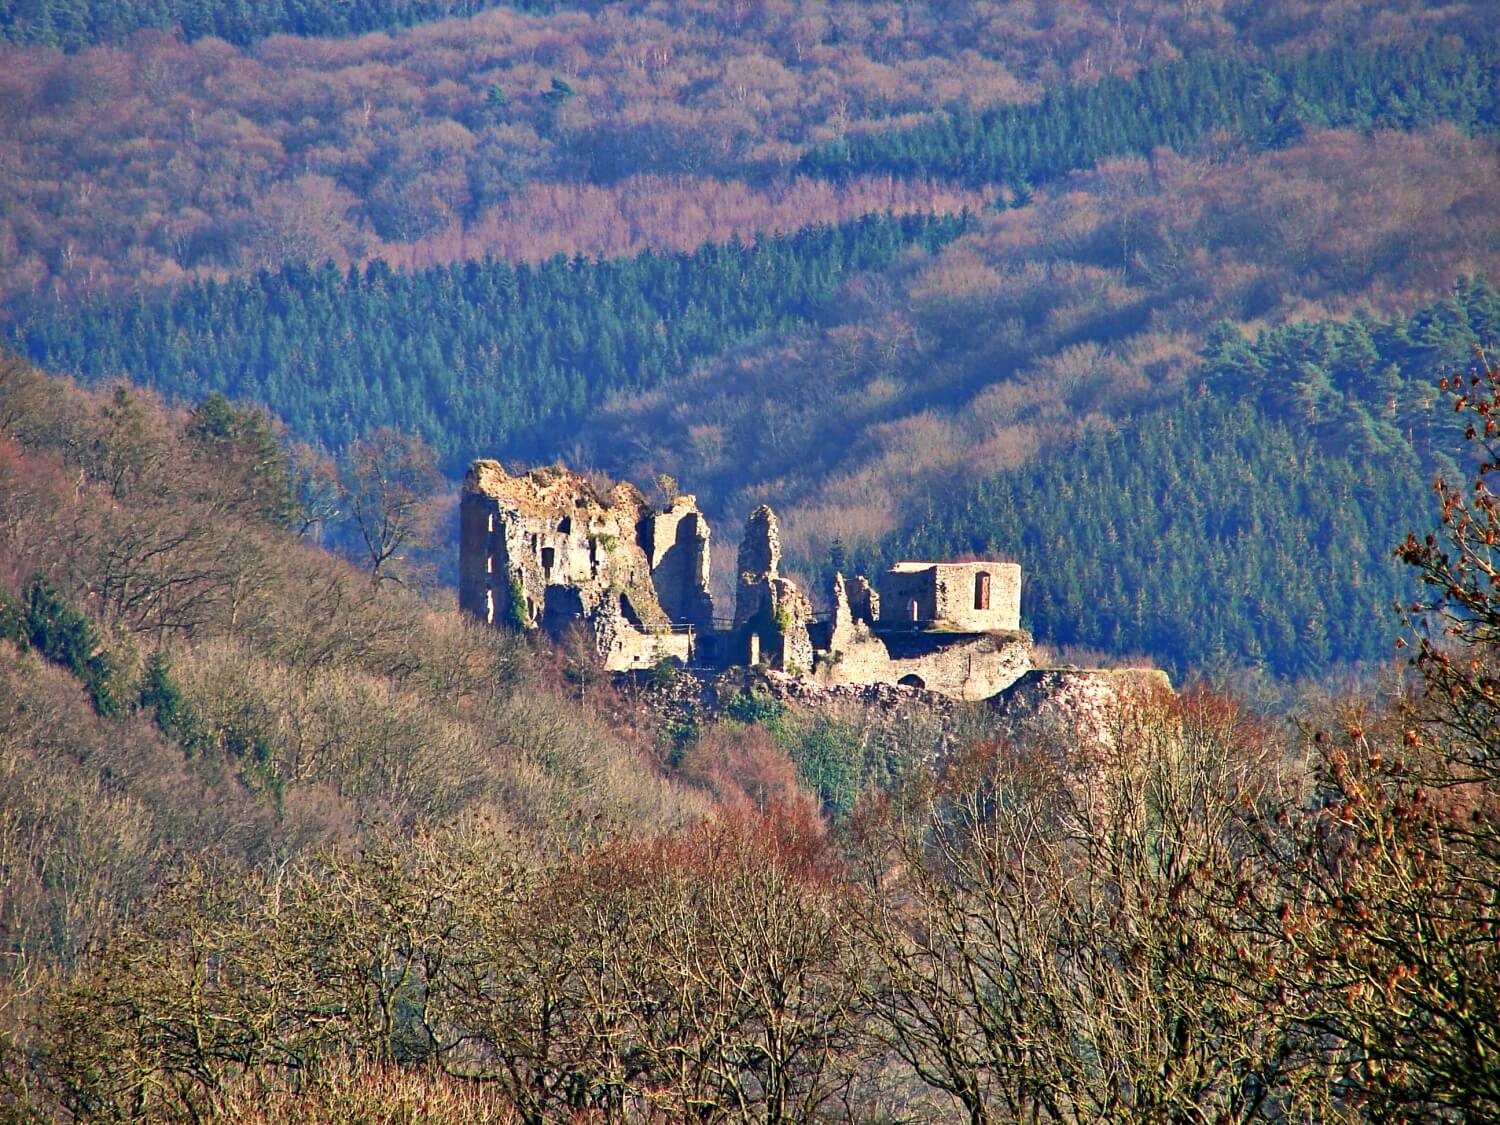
[
  {"x": 549, "y": 550},
  {"x": 966, "y": 597},
  {"x": 567, "y": 555}
]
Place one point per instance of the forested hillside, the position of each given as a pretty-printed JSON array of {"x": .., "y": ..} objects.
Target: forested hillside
[
  {"x": 1094, "y": 300},
  {"x": 147, "y": 163},
  {"x": 1147, "y": 185},
  {"x": 1178, "y": 105},
  {"x": 284, "y": 844},
  {"x": 481, "y": 358},
  {"x": 71, "y": 26},
  {"x": 1252, "y": 523}
]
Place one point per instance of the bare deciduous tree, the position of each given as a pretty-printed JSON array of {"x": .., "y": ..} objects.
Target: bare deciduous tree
[
  {"x": 387, "y": 481},
  {"x": 1041, "y": 925}
]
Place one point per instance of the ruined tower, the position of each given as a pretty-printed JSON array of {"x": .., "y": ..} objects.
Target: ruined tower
[{"x": 548, "y": 550}]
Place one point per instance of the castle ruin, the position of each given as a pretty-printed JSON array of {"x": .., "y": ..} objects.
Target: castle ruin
[{"x": 548, "y": 550}]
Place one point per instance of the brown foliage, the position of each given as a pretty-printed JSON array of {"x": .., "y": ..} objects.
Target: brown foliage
[
  {"x": 1379, "y": 898},
  {"x": 704, "y": 973},
  {"x": 311, "y": 706},
  {"x": 1040, "y": 918},
  {"x": 146, "y": 163},
  {"x": 388, "y": 481},
  {"x": 745, "y": 770}
]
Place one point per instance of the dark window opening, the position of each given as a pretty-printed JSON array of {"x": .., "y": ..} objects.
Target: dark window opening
[
  {"x": 912, "y": 680},
  {"x": 981, "y": 591},
  {"x": 549, "y": 556}
]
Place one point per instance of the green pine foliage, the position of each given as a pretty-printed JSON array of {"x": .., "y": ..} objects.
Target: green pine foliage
[
  {"x": 1181, "y": 104},
  {"x": 174, "y": 713},
  {"x": 73, "y": 24},
  {"x": 66, "y": 637},
  {"x": 1365, "y": 386},
  {"x": 1250, "y": 524},
  {"x": 484, "y": 357}
]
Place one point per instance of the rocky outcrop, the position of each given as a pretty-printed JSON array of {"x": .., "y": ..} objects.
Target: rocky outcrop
[{"x": 1073, "y": 706}]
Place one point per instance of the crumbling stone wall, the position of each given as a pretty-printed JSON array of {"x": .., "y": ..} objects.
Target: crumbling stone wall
[
  {"x": 758, "y": 562},
  {"x": 549, "y": 549},
  {"x": 771, "y": 614},
  {"x": 969, "y": 666},
  {"x": 864, "y": 602},
  {"x": 908, "y": 595},
  {"x": 968, "y": 597}
]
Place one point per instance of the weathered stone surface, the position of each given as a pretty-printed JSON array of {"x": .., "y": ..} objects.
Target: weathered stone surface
[
  {"x": 864, "y": 602},
  {"x": 759, "y": 561},
  {"x": 790, "y": 612},
  {"x": 771, "y": 614},
  {"x": 549, "y": 549},
  {"x": 1074, "y": 707},
  {"x": 677, "y": 545},
  {"x": 967, "y": 597},
  {"x": 841, "y": 622},
  {"x": 968, "y": 666}
]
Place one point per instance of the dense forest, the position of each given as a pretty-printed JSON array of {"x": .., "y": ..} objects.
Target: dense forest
[
  {"x": 479, "y": 358},
  {"x": 1180, "y": 104},
  {"x": 70, "y": 26},
  {"x": 1253, "y": 522},
  {"x": 1095, "y": 300},
  {"x": 157, "y": 160}
]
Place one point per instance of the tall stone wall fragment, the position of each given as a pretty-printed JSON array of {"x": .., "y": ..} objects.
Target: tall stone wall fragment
[
  {"x": 677, "y": 543},
  {"x": 759, "y": 561}
]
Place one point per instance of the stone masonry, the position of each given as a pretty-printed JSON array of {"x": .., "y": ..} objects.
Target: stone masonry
[
  {"x": 547, "y": 550},
  {"x": 550, "y": 551}
]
